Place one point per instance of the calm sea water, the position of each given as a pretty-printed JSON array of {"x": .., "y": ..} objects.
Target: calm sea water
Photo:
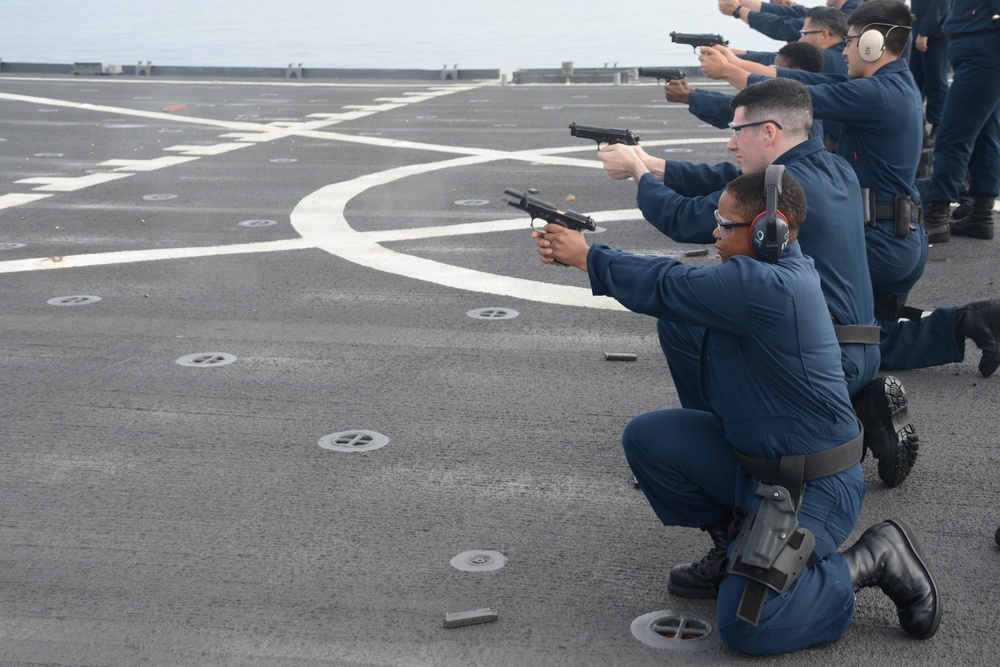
[{"x": 418, "y": 34}]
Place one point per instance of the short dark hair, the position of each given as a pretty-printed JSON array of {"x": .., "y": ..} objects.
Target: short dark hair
[
  {"x": 785, "y": 100},
  {"x": 749, "y": 198},
  {"x": 890, "y": 17},
  {"x": 804, "y": 56},
  {"x": 828, "y": 18}
]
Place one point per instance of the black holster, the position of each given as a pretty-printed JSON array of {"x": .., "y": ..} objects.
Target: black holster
[{"x": 771, "y": 550}]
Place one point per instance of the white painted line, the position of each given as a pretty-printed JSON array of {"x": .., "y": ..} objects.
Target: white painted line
[
  {"x": 16, "y": 199},
  {"x": 122, "y": 111},
  {"x": 484, "y": 227},
  {"x": 66, "y": 184},
  {"x": 131, "y": 256},
  {"x": 152, "y": 164},
  {"x": 319, "y": 218},
  {"x": 339, "y": 117},
  {"x": 298, "y": 83},
  {"x": 249, "y": 138},
  {"x": 373, "y": 107},
  {"x": 217, "y": 149}
]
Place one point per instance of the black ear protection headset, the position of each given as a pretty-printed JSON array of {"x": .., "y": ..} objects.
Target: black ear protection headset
[
  {"x": 769, "y": 230},
  {"x": 871, "y": 43}
]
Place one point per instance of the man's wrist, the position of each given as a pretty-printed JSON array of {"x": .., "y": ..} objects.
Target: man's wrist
[{"x": 639, "y": 170}]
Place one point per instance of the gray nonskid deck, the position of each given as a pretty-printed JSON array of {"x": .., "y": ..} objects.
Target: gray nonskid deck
[{"x": 318, "y": 248}]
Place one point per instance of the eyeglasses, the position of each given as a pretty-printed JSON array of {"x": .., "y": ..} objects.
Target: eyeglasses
[
  {"x": 803, "y": 33},
  {"x": 726, "y": 226},
  {"x": 849, "y": 38},
  {"x": 736, "y": 128}
]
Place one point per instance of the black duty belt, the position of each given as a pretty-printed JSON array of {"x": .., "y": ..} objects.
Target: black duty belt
[
  {"x": 887, "y": 211},
  {"x": 875, "y": 211},
  {"x": 792, "y": 472}
]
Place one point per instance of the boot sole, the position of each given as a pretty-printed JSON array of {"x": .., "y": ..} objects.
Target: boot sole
[
  {"x": 911, "y": 542},
  {"x": 975, "y": 227},
  {"x": 985, "y": 234},
  {"x": 898, "y": 443}
]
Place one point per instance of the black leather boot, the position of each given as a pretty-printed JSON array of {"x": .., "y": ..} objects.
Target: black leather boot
[
  {"x": 882, "y": 409},
  {"x": 979, "y": 222},
  {"x": 980, "y": 321},
  {"x": 936, "y": 222},
  {"x": 963, "y": 209},
  {"x": 887, "y": 556},
  {"x": 697, "y": 580}
]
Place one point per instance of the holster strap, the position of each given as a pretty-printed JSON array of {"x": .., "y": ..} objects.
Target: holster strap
[
  {"x": 792, "y": 472},
  {"x": 888, "y": 306}
]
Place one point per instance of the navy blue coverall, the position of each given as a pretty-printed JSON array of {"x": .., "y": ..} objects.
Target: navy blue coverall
[
  {"x": 930, "y": 67},
  {"x": 783, "y": 22},
  {"x": 833, "y": 58},
  {"x": 881, "y": 136},
  {"x": 681, "y": 206},
  {"x": 969, "y": 132},
  {"x": 712, "y": 107},
  {"x": 773, "y": 386}
]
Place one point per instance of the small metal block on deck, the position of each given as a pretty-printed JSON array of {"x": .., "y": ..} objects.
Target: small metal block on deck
[
  {"x": 293, "y": 71},
  {"x": 462, "y": 618},
  {"x": 621, "y": 356},
  {"x": 144, "y": 69}
]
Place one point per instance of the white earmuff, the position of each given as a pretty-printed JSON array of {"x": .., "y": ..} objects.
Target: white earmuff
[{"x": 871, "y": 44}]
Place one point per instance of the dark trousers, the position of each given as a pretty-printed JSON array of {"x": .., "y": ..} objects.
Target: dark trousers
[
  {"x": 968, "y": 135},
  {"x": 691, "y": 477},
  {"x": 930, "y": 71}
]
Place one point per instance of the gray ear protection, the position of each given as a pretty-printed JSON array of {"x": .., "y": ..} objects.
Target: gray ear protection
[{"x": 769, "y": 230}]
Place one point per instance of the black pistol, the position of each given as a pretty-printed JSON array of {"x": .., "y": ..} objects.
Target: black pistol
[
  {"x": 662, "y": 73},
  {"x": 604, "y": 135},
  {"x": 542, "y": 210},
  {"x": 696, "y": 40}
]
